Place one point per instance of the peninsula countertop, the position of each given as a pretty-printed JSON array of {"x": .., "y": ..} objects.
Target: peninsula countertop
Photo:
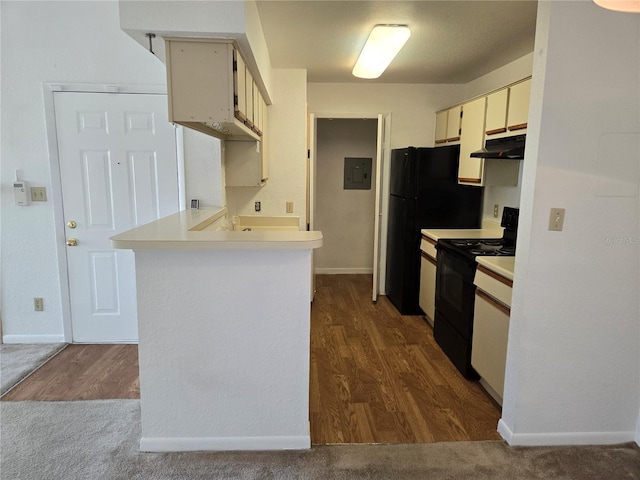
[{"x": 185, "y": 231}]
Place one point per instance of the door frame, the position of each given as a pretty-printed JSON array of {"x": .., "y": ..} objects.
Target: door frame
[
  {"x": 382, "y": 166},
  {"x": 56, "y": 179}
]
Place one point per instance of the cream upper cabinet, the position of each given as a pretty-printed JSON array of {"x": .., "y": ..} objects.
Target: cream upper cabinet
[
  {"x": 518, "y": 115},
  {"x": 240, "y": 87},
  {"x": 210, "y": 88},
  {"x": 441, "y": 126},
  {"x": 481, "y": 172},
  {"x": 496, "y": 120},
  {"x": 470, "y": 170},
  {"x": 448, "y": 125}
]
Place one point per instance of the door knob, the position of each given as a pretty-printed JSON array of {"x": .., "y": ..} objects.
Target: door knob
[
  {"x": 72, "y": 242},
  {"x": 71, "y": 224}
]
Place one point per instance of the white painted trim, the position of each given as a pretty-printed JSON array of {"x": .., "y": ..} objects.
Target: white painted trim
[
  {"x": 564, "y": 438},
  {"x": 344, "y": 271},
  {"x": 505, "y": 432},
  {"x": 56, "y": 181},
  {"x": 191, "y": 444},
  {"x": 33, "y": 339}
]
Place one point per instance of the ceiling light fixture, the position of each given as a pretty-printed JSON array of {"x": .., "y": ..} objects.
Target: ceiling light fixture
[
  {"x": 383, "y": 44},
  {"x": 620, "y": 5}
]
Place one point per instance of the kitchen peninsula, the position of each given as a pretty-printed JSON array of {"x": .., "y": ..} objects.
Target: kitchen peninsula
[{"x": 223, "y": 319}]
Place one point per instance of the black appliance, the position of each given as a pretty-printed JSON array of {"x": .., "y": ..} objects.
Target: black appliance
[
  {"x": 424, "y": 193},
  {"x": 509, "y": 148},
  {"x": 455, "y": 291}
]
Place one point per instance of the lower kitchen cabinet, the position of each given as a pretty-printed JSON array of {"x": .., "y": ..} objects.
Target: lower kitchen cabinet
[
  {"x": 427, "y": 299},
  {"x": 491, "y": 330}
]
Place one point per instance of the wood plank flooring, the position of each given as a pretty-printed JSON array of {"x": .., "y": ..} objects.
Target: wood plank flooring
[
  {"x": 84, "y": 372},
  {"x": 376, "y": 376},
  {"x": 379, "y": 377}
]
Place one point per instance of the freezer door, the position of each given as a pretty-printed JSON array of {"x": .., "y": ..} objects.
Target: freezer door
[{"x": 403, "y": 179}]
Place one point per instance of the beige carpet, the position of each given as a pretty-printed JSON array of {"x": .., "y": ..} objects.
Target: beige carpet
[{"x": 99, "y": 440}]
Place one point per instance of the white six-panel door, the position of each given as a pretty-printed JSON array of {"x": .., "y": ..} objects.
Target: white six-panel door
[{"x": 118, "y": 167}]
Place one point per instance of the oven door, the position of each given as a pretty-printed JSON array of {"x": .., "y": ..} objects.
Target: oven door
[{"x": 455, "y": 291}]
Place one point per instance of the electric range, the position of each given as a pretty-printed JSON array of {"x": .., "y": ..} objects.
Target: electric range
[{"x": 455, "y": 291}]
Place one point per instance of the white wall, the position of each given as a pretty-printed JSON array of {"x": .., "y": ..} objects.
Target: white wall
[
  {"x": 573, "y": 365},
  {"x": 345, "y": 217},
  {"x": 75, "y": 42},
  {"x": 287, "y": 152},
  {"x": 412, "y": 107},
  {"x": 204, "y": 172},
  {"x": 505, "y": 75}
]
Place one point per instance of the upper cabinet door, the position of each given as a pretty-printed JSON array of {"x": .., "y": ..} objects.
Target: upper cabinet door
[
  {"x": 454, "y": 118},
  {"x": 497, "y": 104},
  {"x": 240, "y": 87},
  {"x": 470, "y": 169},
  {"x": 250, "y": 104},
  {"x": 519, "y": 105},
  {"x": 448, "y": 125},
  {"x": 441, "y": 126}
]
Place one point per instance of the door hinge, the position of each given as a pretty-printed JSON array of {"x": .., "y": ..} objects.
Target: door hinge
[{"x": 308, "y": 153}]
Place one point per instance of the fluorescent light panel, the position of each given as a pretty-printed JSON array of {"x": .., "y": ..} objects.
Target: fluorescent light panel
[
  {"x": 620, "y": 5},
  {"x": 383, "y": 44}
]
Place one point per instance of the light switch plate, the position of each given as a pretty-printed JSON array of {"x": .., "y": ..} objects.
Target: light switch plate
[
  {"x": 556, "y": 219},
  {"x": 38, "y": 194}
]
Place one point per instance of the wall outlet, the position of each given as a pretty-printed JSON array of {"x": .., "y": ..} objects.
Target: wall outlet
[
  {"x": 496, "y": 210},
  {"x": 257, "y": 206},
  {"x": 38, "y": 194},
  {"x": 289, "y": 207},
  {"x": 38, "y": 304},
  {"x": 556, "y": 219}
]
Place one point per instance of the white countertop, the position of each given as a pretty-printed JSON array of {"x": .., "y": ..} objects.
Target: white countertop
[
  {"x": 186, "y": 230},
  {"x": 488, "y": 230},
  {"x": 503, "y": 266}
]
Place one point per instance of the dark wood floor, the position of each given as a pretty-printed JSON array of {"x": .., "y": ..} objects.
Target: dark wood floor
[
  {"x": 376, "y": 376},
  {"x": 379, "y": 377}
]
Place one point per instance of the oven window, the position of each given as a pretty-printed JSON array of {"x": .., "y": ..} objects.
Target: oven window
[{"x": 452, "y": 286}]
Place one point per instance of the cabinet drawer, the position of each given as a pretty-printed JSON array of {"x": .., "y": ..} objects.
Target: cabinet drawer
[
  {"x": 428, "y": 246},
  {"x": 495, "y": 285}
]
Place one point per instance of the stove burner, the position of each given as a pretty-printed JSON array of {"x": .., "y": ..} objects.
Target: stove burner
[
  {"x": 492, "y": 241},
  {"x": 465, "y": 243}
]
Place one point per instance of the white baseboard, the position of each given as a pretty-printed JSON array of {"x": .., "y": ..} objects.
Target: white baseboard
[
  {"x": 192, "y": 444},
  {"x": 558, "y": 439},
  {"x": 343, "y": 271},
  {"x": 30, "y": 339}
]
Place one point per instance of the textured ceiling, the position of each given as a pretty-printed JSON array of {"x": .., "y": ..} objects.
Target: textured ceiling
[{"x": 451, "y": 41}]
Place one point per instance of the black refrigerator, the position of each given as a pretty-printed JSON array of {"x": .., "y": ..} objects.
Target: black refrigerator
[{"x": 424, "y": 193}]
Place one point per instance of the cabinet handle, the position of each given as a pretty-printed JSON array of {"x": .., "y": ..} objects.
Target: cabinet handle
[
  {"x": 499, "y": 305},
  {"x": 495, "y": 130},
  {"x": 498, "y": 277},
  {"x": 519, "y": 126},
  {"x": 469, "y": 180},
  {"x": 428, "y": 258}
]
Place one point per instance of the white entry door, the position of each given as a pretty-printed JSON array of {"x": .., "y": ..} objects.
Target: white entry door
[{"x": 118, "y": 167}]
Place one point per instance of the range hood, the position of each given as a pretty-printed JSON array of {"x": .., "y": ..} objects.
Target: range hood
[{"x": 510, "y": 148}]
